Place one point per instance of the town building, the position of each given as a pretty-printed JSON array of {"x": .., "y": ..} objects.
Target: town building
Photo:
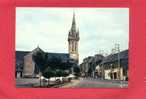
[
  {"x": 115, "y": 66},
  {"x": 111, "y": 67},
  {"x": 87, "y": 67}
]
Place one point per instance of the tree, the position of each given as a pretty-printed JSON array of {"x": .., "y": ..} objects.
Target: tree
[
  {"x": 77, "y": 71},
  {"x": 52, "y": 66},
  {"x": 49, "y": 73},
  {"x": 40, "y": 60}
]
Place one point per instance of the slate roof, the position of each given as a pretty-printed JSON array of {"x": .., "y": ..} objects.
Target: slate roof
[
  {"x": 64, "y": 57},
  {"x": 114, "y": 58},
  {"x": 58, "y": 55},
  {"x": 20, "y": 55},
  {"x": 111, "y": 58}
]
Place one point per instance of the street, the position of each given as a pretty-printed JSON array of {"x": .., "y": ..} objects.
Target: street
[
  {"x": 27, "y": 82},
  {"x": 78, "y": 83},
  {"x": 96, "y": 83}
]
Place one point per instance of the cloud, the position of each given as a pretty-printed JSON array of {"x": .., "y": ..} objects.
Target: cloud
[{"x": 100, "y": 29}]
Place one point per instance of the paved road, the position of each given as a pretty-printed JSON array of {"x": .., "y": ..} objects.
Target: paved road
[
  {"x": 81, "y": 83},
  {"x": 95, "y": 83},
  {"x": 35, "y": 82},
  {"x": 27, "y": 82}
]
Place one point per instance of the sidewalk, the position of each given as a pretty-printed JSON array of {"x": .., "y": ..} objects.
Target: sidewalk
[{"x": 72, "y": 84}]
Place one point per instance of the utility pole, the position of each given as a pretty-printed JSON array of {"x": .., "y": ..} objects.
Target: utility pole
[
  {"x": 117, "y": 47},
  {"x": 113, "y": 51}
]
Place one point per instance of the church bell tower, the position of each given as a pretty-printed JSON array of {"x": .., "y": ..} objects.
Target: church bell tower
[{"x": 73, "y": 38}]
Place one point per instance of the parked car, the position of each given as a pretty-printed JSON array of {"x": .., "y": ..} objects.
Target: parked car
[{"x": 58, "y": 81}]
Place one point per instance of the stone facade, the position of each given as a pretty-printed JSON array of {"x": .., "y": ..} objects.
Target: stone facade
[
  {"x": 29, "y": 67},
  {"x": 89, "y": 64},
  {"x": 73, "y": 39}
]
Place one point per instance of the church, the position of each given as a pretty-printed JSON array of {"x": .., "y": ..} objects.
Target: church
[{"x": 26, "y": 66}]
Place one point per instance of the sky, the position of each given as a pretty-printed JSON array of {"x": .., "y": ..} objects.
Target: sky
[{"x": 48, "y": 28}]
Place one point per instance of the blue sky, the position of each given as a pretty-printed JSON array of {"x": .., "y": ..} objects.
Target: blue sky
[{"x": 100, "y": 29}]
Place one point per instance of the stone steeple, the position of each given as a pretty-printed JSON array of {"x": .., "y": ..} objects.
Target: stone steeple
[
  {"x": 73, "y": 38},
  {"x": 73, "y": 23}
]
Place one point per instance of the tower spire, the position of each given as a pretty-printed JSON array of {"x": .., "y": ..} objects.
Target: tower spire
[
  {"x": 73, "y": 28},
  {"x": 73, "y": 21}
]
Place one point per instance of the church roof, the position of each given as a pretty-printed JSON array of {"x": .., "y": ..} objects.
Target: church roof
[
  {"x": 60, "y": 55},
  {"x": 64, "y": 57},
  {"x": 38, "y": 49},
  {"x": 20, "y": 55}
]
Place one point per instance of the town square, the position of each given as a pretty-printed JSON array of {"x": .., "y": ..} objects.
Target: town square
[{"x": 76, "y": 65}]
